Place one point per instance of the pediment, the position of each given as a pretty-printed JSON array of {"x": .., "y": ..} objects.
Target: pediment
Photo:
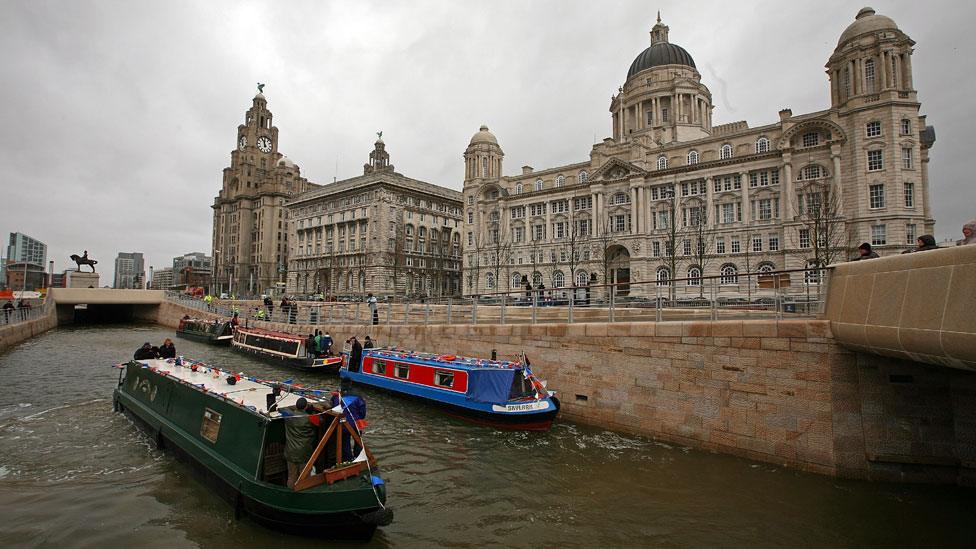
[{"x": 615, "y": 169}]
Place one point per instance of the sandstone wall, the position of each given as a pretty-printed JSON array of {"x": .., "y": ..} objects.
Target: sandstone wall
[{"x": 15, "y": 333}]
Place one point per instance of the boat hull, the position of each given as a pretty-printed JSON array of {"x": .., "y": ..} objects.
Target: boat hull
[
  {"x": 343, "y": 511},
  {"x": 204, "y": 338},
  {"x": 537, "y": 421}
]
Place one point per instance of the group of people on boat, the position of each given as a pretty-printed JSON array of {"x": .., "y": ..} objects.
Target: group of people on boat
[
  {"x": 319, "y": 344},
  {"x": 304, "y": 428},
  {"x": 149, "y": 351}
]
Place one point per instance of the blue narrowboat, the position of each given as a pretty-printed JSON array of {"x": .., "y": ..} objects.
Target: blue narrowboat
[{"x": 498, "y": 393}]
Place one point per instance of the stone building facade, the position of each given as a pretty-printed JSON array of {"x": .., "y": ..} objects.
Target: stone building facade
[
  {"x": 670, "y": 196},
  {"x": 381, "y": 232},
  {"x": 250, "y": 232}
]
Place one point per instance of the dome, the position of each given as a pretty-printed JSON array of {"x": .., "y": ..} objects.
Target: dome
[
  {"x": 658, "y": 54},
  {"x": 260, "y": 96},
  {"x": 866, "y": 21},
  {"x": 483, "y": 136},
  {"x": 286, "y": 162}
]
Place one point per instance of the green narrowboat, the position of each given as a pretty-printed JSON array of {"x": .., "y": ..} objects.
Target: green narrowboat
[
  {"x": 214, "y": 332},
  {"x": 232, "y": 429}
]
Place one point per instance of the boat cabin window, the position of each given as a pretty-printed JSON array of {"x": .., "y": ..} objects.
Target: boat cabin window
[
  {"x": 444, "y": 379},
  {"x": 211, "y": 425},
  {"x": 288, "y": 347},
  {"x": 379, "y": 367},
  {"x": 402, "y": 371}
]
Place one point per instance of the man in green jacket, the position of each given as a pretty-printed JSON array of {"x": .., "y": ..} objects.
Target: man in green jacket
[{"x": 301, "y": 436}]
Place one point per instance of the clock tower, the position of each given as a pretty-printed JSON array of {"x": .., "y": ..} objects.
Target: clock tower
[{"x": 250, "y": 231}]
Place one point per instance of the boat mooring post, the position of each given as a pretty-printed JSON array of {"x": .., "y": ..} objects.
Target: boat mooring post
[
  {"x": 572, "y": 298},
  {"x": 613, "y": 294},
  {"x": 535, "y": 305},
  {"x": 657, "y": 303}
]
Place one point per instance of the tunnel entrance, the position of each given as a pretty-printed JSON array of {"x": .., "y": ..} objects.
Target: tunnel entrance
[{"x": 104, "y": 314}]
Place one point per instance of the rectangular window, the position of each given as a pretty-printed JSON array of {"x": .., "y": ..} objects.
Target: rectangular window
[
  {"x": 656, "y": 249},
  {"x": 720, "y": 246},
  {"x": 518, "y": 234},
  {"x": 774, "y": 242},
  {"x": 379, "y": 367},
  {"x": 757, "y": 243},
  {"x": 210, "y": 427},
  {"x": 765, "y": 209},
  {"x": 876, "y": 196},
  {"x": 470, "y": 216},
  {"x": 907, "y": 158},
  {"x": 470, "y": 239},
  {"x": 804, "y": 238},
  {"x": 910, "y": 233},
  {"x": 811, "y": 139},
  {"x": 874, "y": 129},
  {"x": 906, "y": 127},
  {"x": 728, "y": 213},
  {"x": 878, "y": 236},
  {"x": 538, "y": 232},
  {"x": 664, "y": 114},
  {"x": 736, "y": 248},
  {"x": 909, "y": 195},
  {"x": 686, "y": 247},
  {"x": 875, "y": 161},
  {"x": 444, "y": 379},
  {"x": 402, "y": 371},
  {"x": 518, "y": 212}
]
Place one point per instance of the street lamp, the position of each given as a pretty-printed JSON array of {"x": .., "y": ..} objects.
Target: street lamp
[{"x": 214, "y": 284}]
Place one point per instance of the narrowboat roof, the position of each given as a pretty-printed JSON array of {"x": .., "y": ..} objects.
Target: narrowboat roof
[
  {"x": 443, "y": 361},
  {"x": 247, "y": 392}
]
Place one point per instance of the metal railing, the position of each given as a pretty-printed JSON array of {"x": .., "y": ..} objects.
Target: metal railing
[
  {"x": 9, "y": 317},
  {"x": 798, "y": 293}
]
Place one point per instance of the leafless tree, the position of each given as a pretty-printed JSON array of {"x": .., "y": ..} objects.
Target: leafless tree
[
  {"x": 818, "y": 207},
  {"x": 670, "y": 253},
  {"x": 702, "y": 240},
  {"x": 499, "y": 251},
  {"x": 397, "y": 255}
]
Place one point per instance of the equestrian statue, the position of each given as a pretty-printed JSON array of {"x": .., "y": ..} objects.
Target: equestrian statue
[{"x": 83, "y": 260}]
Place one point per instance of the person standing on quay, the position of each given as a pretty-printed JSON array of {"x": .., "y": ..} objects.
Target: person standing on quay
[
  {"x": 968, "y": 233},
  {"x": 371, "y": 301}
]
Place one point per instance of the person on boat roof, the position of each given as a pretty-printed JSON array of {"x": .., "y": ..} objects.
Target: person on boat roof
[
  {"x": 146, "y": 352},
  {"x": 167, "y": 349},
  {"x": 301, "y": 436},
  {"x": 325, "y": 344}
]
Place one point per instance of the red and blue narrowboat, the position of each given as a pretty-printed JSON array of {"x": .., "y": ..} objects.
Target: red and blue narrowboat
[
  {"x": 493, "y": 392},
  {"x": 282, "y": 348}
]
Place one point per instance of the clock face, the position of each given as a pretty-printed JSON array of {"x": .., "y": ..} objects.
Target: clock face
[
  {"x": 242, "y": 143},
  {"x": 264, "y": 144}
]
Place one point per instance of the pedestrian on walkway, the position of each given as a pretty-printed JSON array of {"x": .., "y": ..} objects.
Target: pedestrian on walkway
[{"x": 371, "y": 301}]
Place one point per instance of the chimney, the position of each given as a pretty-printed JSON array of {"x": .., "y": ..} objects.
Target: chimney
[
  {"x": 785, "y": 114},
  {"x": 526, "y": 170}
]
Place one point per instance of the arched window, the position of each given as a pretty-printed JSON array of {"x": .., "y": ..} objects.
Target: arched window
[
  {"x": 762, "y": 145},
  {"x": 484, "y": 167},
  {"x": 409, "y": 230},
  {"x": 619, "y": 198},
  {"x": 518, "y": 188},
  {"x": 582, "y": 278},
  {"x": 536, "y": 279},
  {"x": 560, "y": 180},
  {"x": 766, "y": 268},
  {"x": 663, "y": 276},
  {"x": 694, "y": 276},
  {"x": 516, "y": 280},
  {"x": 730, "y": 274},
  {"x": 538, "y": 184},
  {"x": 693, "y": 158},
  {"x": 583, "y": 176},
  {"x": 813, "y": 171},
  {"x": 813, "y": 274},
  {"x": 662, "y": 162},
  {"x": 490, "y": 281},
  {"x": 726, "y": 151},
  {"x": 558, "y": 279}
]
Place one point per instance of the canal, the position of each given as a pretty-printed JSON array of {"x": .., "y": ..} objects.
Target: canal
[{"x": 75, "y": 474}]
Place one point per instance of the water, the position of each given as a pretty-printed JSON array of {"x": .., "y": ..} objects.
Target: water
[{"x": 75, "y": 474}]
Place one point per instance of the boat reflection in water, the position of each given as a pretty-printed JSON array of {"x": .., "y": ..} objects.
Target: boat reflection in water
[{"x": 233, "y": 429}]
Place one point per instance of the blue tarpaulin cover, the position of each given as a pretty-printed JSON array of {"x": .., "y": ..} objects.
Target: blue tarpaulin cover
[{"x": 491, "y": 385}]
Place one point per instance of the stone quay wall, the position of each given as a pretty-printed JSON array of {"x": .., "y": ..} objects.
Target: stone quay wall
[
  {"x": 782, "y": 392},
  {"x": 13, "y": 334}
]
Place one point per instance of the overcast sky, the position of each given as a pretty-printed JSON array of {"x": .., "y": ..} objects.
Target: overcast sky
[{"x": 118, "y": 117}]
